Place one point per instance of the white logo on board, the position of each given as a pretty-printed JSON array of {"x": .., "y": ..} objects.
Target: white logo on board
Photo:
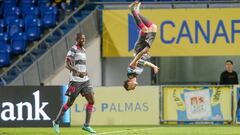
[{"x": 8, "y": 112}]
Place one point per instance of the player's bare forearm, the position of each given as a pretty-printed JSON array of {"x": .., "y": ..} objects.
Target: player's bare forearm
[
  {"x": 154, "y": 67},
  {"x": 138, "y": 57},
  {"x": 149, "y": 64}
]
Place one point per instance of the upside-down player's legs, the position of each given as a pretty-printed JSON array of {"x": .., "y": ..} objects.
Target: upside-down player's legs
[
  {"x": 145, "y": 21},
  {"x": 146, "y": 44},
  {"x": 141, "y": 21},
  {"x": 134, "y": 7},
  {"x": 148, "y": 32}
]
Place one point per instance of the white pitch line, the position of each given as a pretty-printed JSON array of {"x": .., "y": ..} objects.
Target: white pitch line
[{"x": 124, "y": 131}]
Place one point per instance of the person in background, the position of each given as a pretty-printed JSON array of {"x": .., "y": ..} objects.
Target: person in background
[
  {"x": 229, "y": 76},
  {"x": 74, "y": 4},
  {"x": 60, "y": 4}
]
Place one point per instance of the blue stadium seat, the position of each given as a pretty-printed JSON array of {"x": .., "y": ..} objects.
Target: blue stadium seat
[
  {"x": 15, "y": 26},
  {"x": 30, "y": 14},
  {"x": 18, "y": 43},
  {"x": 11, "y": 2},
  {"x": 11, "y": 14},
  {"x": 1, "y": 10},
  {"x": 6, "y": 47},
  {"x": 49, "y": 16},
  {"x": 2, "y": 26},
  {"x": 4, "y": 59},
  {"x": 4, "y": 55},
  {"x": 43, "y": 3},
  {"x": 8, "y": 4},
  {"x": 4, "y": 38},
  {"x": 31, "y": 11},
  {"x": 25, "y": 4},
  {"x": 33, "y": 28}
]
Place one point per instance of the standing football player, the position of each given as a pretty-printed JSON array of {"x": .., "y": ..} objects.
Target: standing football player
[{"x": 79, "y": 83}]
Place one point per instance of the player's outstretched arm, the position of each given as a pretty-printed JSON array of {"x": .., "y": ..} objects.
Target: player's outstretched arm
[{"x": 149, "y": 64}]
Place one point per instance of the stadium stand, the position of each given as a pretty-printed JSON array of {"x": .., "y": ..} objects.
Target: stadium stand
[{"x": 21, "y": 23}]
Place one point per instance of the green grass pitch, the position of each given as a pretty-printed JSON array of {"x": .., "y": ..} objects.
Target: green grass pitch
[{"x": 133, "y": 130}]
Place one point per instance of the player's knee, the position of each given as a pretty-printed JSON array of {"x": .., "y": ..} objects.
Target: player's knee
[
  {"x": 70, "y": 103},
  {"x": 144, "y": 29},
  {"x": 91, "y": 102},
  {"x": 154, "y": 28}
]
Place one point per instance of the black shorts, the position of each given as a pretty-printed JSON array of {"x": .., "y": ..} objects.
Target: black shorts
[
  {"x": 140, "y": 45},
  {"x": 75, "y": 88}
]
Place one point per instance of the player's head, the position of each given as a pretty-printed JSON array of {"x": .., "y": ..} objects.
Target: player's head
[
  {"x": 80, "y": 39},
  {"x": 229, "y": 65},
  {"x": 130, "y": 84}
]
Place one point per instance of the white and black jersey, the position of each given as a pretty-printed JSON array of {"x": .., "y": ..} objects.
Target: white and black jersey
[{"x": 77, "y": 55}]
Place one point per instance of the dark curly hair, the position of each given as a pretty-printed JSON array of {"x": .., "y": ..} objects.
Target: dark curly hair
[
  {"x": 79, "y": 35},
  {"x": 230, "y": 61},
  {"x": 125, "y": 85}
]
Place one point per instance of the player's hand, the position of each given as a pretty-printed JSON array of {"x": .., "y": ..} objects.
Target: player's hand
[
  {"x": 133, "y": 65},
  {"x": 156, "y": 69},
  {"x": 82, "y": 74}
]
